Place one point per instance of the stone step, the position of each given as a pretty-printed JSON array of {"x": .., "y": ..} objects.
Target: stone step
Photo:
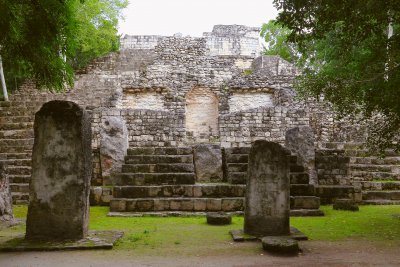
[
  {"x": 237, "y": 177},
  {"x": 17, "y": 162},
  {"x": 19, "y": 187},
  {"x": 154, "y": 159},
  {"x": 328, "y": 193},
  {"x": 302, "y": 190},
  {"x": 237, "y": 167},
  {"x": 380, "y": 202},
  {"x": 16, "y": 119},
  {"x": 158, "y": 168},
  {"x": 16, "y": 142},
  {"x": 16, "y": 126},
  {"x": 341, "y": 145},
  {"x": 196, "y": 190},
  {"x": 17, "y": 134},
  {"x": 160, "y": 151},
  {"x": 237, "y": 158},
  {"x": 304, "y": 202},
  {"x": 23, "y": 155},
  {"x": 20, "y": 198},
  {"x": 306, "y": 212},
  {"x": 16, "y": 111},
  {"x": 18, "y": 170},
  {"x": 299, "y": 178},
  {"x": 367, "y": 176},
  {"x": 384, "y": 185},
  {"x": 381, "y": 195},
  {"x": 375, "y": 168},
  {"x": 375, "y": 160},
  {"x": 366, "y": 153},
  {"x": 296, "y": 168},
  {"x": 176, "y": 204},
  {"x": 237, "y": 150},
  {"x": 154, "y": 178},
  {"x": 24, "y": 179},
  {"x": 15, "y": 149}
]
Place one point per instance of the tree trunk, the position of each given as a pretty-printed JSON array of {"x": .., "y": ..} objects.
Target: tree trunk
[{"x": 3, "y": 81}]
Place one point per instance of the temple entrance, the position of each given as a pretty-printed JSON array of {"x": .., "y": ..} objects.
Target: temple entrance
[{"x": 201, "y": 115}]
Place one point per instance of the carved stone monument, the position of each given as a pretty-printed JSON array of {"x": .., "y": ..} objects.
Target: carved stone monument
[
  {"x": 6, "y": 214},
  {"x": 300, "y": 141},
  {"x": 267, "y": 192},
  {"x": 61, "y": 171}
]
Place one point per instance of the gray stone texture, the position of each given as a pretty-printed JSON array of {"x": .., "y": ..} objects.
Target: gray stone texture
[
  {"x": 208, "y": 163},
  {"x": 280, "y": 244},
  {"x": 219, "y": 218},
  {"x": 61, "y": 171},
  {"x": 267, "y": 192},
  {"x": 113, "y": 146},
  {"x": 300, "y": 141},
  {"x": 6, "y": 213}
]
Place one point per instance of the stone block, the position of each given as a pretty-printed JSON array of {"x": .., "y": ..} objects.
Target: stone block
[
  {"x": 208, "y": 163},
  {"x": 214, "y": 204},
  {"x": 200, "y": 204}
]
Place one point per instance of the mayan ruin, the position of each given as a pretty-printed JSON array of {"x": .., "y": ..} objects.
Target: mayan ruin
[{"x": 190, "y": 148}]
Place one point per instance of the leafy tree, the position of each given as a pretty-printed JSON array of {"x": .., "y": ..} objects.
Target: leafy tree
[
  {"x": 275, "y": 36},
  {"x": 351, "y": 59},
  {"x": 97, "y": 32},
  {"x": 45, "y": 39}
]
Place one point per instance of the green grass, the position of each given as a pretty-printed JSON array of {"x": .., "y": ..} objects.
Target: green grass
[{"x": 192, "y": 236}]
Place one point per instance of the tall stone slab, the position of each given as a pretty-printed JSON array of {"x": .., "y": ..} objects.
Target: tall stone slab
[
  {"x": 267, "y": 193},
  {"x": 300, "y": 141},
  {"x": 6, "y": 214},
  {"x": 61, "y": 171},
  {"x": 113, "y": 146},
  {"x": 208, "y": 163}
]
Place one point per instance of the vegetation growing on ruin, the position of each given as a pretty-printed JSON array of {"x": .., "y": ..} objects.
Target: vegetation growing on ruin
[{"x": 192, "y": 236}]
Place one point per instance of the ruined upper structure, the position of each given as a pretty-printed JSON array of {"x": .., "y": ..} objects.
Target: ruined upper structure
[{"x": 174, "y": 91}]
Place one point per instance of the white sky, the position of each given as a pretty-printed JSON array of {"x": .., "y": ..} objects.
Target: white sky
[{"x": 190, "y": 17}]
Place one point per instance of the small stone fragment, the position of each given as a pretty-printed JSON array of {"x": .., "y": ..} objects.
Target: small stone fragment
[
  {"x": 345, "y": 204},
  {"x": 280, "y": 244},
  {"x": 219, "y": 218}
]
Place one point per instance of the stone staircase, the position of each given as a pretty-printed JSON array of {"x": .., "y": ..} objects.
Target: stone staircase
[
  {"x": 377, "y": 178},
  {"x": 16, "y": 142},
  {"x": 163, "y": 180},
  {"x": 303, "y": 201}
]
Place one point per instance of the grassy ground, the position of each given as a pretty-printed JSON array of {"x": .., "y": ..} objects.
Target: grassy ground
[{"x": 179, "y": 235}]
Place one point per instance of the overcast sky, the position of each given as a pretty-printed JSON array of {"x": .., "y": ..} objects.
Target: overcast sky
[{"x": 192, "y": 17}]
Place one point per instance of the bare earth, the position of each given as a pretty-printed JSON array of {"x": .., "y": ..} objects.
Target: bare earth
[{"x": 315, "y": 253}]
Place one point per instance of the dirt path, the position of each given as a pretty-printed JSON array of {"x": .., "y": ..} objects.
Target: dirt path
[{"x": 315, "y": 253}]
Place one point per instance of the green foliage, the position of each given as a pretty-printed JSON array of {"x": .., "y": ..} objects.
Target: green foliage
[
  {"x": 247, "y": 72},
  {"x": 37, "y": 36},
  {"x": 97, "y": 32},
  {"x": 275, "y": 36},
  {"x": 349, "y": 59}
]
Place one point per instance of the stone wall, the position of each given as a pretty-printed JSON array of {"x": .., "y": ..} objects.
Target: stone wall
[{"x": 175, "y": 91}]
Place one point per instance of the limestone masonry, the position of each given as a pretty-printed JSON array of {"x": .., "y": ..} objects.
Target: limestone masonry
[{"x": 163, "y": 92}]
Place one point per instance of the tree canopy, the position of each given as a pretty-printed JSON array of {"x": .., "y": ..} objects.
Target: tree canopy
[
  {"x": 45, "y": 39},
  {"x": 351, "y": 58}
]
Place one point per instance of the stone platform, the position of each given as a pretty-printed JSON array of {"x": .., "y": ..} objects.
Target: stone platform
[{"x": 95, "y": 240}]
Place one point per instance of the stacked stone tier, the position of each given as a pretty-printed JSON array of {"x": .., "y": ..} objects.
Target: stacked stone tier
[
  {"x": 303, "y": 200},
  {"x": 376, "y": 178},
  {"x": 16, "y": 142}
]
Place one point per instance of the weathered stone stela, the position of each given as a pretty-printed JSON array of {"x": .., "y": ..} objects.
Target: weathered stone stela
[
  {"x": 61, "y": 172},
  {"x": 6, "y": 214},
  {"x": 267, "y": 192}
]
